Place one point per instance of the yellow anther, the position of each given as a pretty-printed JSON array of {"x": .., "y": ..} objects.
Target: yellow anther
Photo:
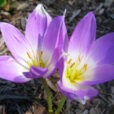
[
  {"x": 28, "y": 64},
  {"x": 79, "y": 59},
  {"x": 42, "y": 64},
  {"x": 75, "y": 74},
  {"x": 85, "y": 66},
  {"x": 79, "y": 79},
  {"x": 37, "y": 53},
  {"x": 28, "y": 55},
  {"x": 69, "y": 61},
  {"x": 37, "y": 60},
  {"x": 72, "y": 65},
  {"x": 41, "y": 53},
  {"x": 35, "y": 63}
]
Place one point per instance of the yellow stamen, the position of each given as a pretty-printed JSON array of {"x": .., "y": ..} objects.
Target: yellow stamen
[
  {"x": 75, "y": 74},
  {"x": 69, "y": 61},
  {"x": 41, "y": 53},
  {"x": 35, "y": 63},
  {"x": 37, "y": 60},
  {"x": 72, "y": 65},
  {"x": 42, "y": 64},
  {"x": 37, "y": 53},
  {"x": 28, "y": 55},
  {"x": 79, "y": 59},
  {"x": 79, "y": 79},
  {"x": 28, "y": 64},
  {"x": 85, "y": 66}
]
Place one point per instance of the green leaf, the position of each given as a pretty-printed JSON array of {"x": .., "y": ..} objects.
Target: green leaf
[{"x": 3, "y": 3}]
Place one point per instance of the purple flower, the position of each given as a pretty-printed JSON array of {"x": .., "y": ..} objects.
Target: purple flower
[
  {"x": 36, "y": 54},
  {"x": 87, "y": 62}
]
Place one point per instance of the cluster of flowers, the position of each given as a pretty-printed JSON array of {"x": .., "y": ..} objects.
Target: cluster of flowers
[{"x": 82, "y": 61}]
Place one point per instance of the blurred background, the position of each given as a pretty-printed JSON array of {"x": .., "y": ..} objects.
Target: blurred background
[{"x": 30, "y": 98}]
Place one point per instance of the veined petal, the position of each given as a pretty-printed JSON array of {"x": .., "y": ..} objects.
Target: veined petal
[
  {"x": 82, "y": 93},
  {"x": 37, "y": 24},
  {"x": 83, "y": 35},
  {"x": 52, "y": 66},
  {"x": 41, "y": 11},
  {"x": 52, "y": 38},
  {"x": 102, "y": 73},
  {"x": 103, "y": 49},
  {"x": 86, "y": 92},
  {"x": 59, "y": 47},
  {"x": 38, "y": 71},
  {"x": 62, "y": 43},
  {"x": 14, "y": 40},
  {"x": 66, "y": 40},
  {"x": 35, "y": 72},
  {"x": 66, "y": 91},
  {"x": 61, "y": 68},
  {"x": 65, "y": 36},
  {"x": 11, "y": 70}
]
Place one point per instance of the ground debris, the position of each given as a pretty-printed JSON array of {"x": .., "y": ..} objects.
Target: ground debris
[
  {"x": 28, "y": 98},
  {"x": 51, "y": 85},
  {"x": 2, "y": 110},
  {"x": 39, "y": 109},
  {"x": 22, "y": 6},
  {"x": 75, "y": 13}
]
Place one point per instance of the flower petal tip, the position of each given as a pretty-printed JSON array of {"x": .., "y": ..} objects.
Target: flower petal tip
[
  {"x": 64, "y": 14},
  {"x": 1, "y": 23},
  {"x": 4, "y": 24},
  {"x": 91, "y": 14},
  {"x": 40, "y": 10}
]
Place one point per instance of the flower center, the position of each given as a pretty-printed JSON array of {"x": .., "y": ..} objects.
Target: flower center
[
  {"x": 75, "y": 70},
  {"x": 36, "y": 61}
]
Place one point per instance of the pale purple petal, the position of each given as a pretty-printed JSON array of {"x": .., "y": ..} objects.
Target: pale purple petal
[
  {"x": 67, "y": 92},
  {"x": 103, "y": 49},
  {"x": 52, "y": 65},
  {"x": 14, "y": 40},
  {"x": 87, "y": 92},
  {"x": 83, "y": 35},
  {"x": 37, "y": 24},
  {"x": 61, "y": 68},
  {"x": 82, "y": 92},
  {"x": 41, "y": 11},
  {"x": 66, "y": 40},
  {"x": 12, "y": 71},
  {"x": 40, "y": 39},
  {"x": 56, "y": 54},
  {"x": 102, "y": 73},
  {"x": 52, "y": 38},
  {"x": 63, "y": 38},
  {"x": 109, "y": 58}
]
